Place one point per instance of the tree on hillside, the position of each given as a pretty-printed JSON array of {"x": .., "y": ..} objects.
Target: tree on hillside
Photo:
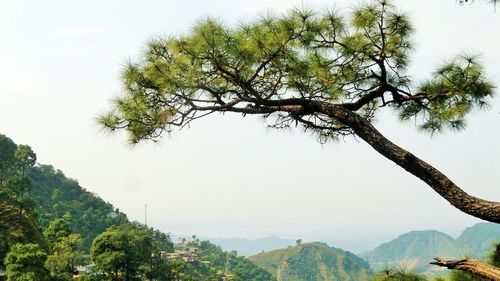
[
  {"x": 25, "y": 157},
  {"x": 26, "y": 262},
  {"x": 315, "y": 70},
  {"x": 13, "y": 182},
  {"x": 57, "y": 230},
  {"x": 121, "y": 250},
  {"x": 7, "y": 151},
  {"x": 63, "y": 245}
]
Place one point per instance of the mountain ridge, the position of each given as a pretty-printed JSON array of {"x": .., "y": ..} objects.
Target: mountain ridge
[
  {"x": 415, "y": 249},
  {"x": 314, "y": 261}
]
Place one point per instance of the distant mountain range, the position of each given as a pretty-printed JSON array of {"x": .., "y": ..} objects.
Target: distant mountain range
[
  {"x": 313, "y": 262},
  {"x": 415, "y": 249}
]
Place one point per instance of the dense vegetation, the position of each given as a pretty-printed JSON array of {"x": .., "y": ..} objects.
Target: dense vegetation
[
  {"x": 231, "y": 263},
  {"x": 16, "y": 228},
  {"x": 314, "y": 262},
  {"x": 17, "y": 216},
  {"x": 57, "y": 196}
]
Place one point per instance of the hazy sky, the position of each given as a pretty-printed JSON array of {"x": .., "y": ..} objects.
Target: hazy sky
[{"x": 228, "y": 176}]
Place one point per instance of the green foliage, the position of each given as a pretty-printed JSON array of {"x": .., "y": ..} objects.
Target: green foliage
[
  {"x": 25, "y": 262},
  {"x": 457, "y": 88},
  {"x": 214, "y": 264},
  {"x": 17, "y": 217},
  {"x": 57, "y": 197},
  {"x": 25, "y": 157},
  {"x": 64, "y": 253},
  {"x": 313, "y": 262},
  {"x": 122, "y": 250},
  {"x": 463, "y": 276},
  {"x": 398, "y": 275},
  {"x": 240, "y": 267},
  {"x": 160, "y": 241},
  {"x": 495, "y": 255},
  {"x": 7, "y": 151},
  {"x": 275, "y": 64},
  {"x": 16, "y": 228},
  {"x": 56, "y": 231},
  {"x": 161, "y": 270},
  {"x": 64, "y": 245}
]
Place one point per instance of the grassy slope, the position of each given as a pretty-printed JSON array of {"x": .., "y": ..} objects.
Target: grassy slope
[{"x": 313, "y": 262}]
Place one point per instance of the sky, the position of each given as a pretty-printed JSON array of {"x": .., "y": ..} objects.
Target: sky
[{"x": 229, "y": 176}]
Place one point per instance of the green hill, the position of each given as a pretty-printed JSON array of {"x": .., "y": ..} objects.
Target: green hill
[
  {"x": 57, "y": 196},
  {"x": 414, "y": 250},
  {"x": 217, "y": 262},
  {"x": 313, "y": 262},
  {"x": 478, "y": 240}
]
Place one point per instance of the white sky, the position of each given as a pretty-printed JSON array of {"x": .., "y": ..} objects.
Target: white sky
[{"x": 227, "y": 176}]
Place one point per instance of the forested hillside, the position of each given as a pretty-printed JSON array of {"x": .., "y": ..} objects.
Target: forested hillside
[
  {"x": 314, "y": 262},
  {"x": 57, "y": 196},
  {"x": 214, "y": 263},
  {"x": 16, "y": 227},
  {"x": 17, "y": 215}
]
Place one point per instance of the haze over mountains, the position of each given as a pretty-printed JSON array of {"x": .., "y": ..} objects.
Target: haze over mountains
[
  {"x": 250, "y": 247},
  {"x": 415, "y": 249},
  {"x": 474, "y": 241}
]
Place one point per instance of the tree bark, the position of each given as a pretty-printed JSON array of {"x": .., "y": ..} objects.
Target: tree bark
[
  {"x": 474, "y": 266},
  {"x": 477, "y": 207}
]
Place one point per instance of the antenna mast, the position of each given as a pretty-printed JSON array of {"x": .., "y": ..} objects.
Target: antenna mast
[{"x": 146, "y": 215}]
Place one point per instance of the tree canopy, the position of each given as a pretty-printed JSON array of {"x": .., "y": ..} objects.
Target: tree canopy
[
  {"x": 26, "y": 262},
  {"x": 121, "y": 250},
  {"x": 63, "y": 245},
  {"x": 322, "y": 71}
]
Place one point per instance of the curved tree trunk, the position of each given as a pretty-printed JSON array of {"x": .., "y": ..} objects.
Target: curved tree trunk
[
  {"x": 480, "y": 208},
  {"x": 476, "y": 267}
]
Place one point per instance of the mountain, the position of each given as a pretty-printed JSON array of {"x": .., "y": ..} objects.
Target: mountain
[
  {"x": 313, "y": 262},
  {"x": 57, "y": 196},
  {"x": 415, "y": 249},
  {"x": 478, "y": 240}
]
